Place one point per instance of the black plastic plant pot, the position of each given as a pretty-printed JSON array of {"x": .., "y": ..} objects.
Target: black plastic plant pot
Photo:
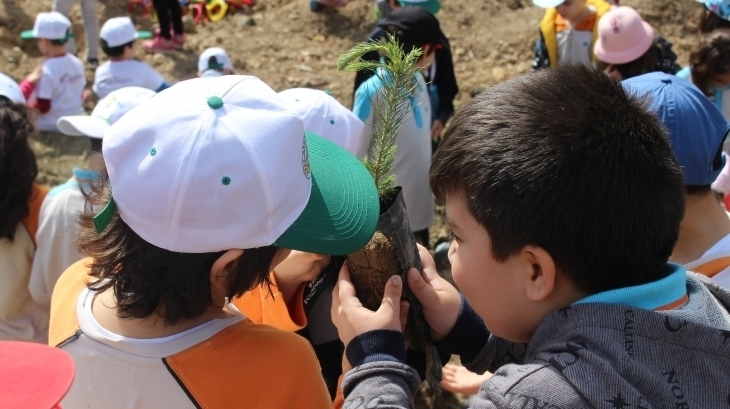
[{"x": 371, "y": 267}]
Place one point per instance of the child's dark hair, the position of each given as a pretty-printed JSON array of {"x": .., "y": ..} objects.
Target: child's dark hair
[
  {"x": 117, "y": 51},
  {"x": 147, "y": 279},
  {"x": 566, "y": 160},
  {"x": 642, "y": 65},
  {"x": 18, "y": 168},
  {"x": 706, "y": 21},
  {"x": 709, "y": 58}
]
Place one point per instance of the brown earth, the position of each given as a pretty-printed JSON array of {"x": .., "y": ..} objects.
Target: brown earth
[{"x": 287, "y": 46}]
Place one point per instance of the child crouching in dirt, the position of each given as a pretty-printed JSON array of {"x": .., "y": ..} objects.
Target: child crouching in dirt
[
  {"x": 186, "y": 227},
  {"x": 563, "y": 283},
  {"x": 21, "y": 318},
  {"x": 214, "y": 62},
  {"x": 56, "y": 87}
]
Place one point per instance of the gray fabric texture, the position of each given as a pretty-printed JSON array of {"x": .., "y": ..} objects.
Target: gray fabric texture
[{"x": 592, "y": 356}]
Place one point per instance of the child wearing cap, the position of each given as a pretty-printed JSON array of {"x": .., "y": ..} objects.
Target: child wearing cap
[
  {"x": 413, "y": 27},
  {"x": 60, "y": 83},
  {"x": 568, "y": 31},
  {"x": 697, "y": 131},
  {"x": 205, "y": 186},
  {"x": 563, "y": 221},
  {"x": 439, "y": 76},
  {"x": 709, "y": 68},
  {"x": 118, "y": 39},
  {"x": 21, "y": 318},
  {"x": 91, "y": 27},
  {"x": 627, "y": 46},
  {"x": 57, "y": 225},
  {"x": 214, "y": 62}
]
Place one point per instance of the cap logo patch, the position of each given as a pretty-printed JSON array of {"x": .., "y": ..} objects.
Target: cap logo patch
[
  {"x": 226, "y": 181},
  {"x": 305, "y": 159}
]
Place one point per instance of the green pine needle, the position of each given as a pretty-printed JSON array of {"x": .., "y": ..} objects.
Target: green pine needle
[{"x": 397, "y": 72}]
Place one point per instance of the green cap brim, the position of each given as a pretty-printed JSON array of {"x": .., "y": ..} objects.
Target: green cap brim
[
  {"x": 144, "y": 34},
  {"x": 27, "y": 35},
  {"x": 433, "y": 6},
  {"x": 343, "y": 209}
]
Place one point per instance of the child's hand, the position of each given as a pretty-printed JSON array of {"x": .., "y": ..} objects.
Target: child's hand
[
  {"x": 440, "y": 300},
  {"x": 352, "y": 319},
  {"x": 35, "y": 75},
  {"x": 458, "y": 379},
  {"x": 436, "y": 130}
]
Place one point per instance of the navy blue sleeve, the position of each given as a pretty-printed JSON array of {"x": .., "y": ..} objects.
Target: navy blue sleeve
[
  {"x": 469, "y": 335},
  {"x": 375, "y": 346}
]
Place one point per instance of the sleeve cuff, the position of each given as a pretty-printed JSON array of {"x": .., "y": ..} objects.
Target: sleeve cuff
[
  {"x": 375, "y": 346},
  {"x": 468, "y": 336}
]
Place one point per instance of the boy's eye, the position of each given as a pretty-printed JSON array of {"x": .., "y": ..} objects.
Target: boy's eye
[{"x": 452, "y": 236}]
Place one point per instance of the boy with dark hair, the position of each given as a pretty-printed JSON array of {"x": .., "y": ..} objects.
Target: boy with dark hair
[
  {"x": 118, "y": 40},
  {"x": 568, "y": 31},
  {"x": 697, "y": 131},
  {"x": 383, "y": 8},
  {"x": 413, "y": 27},
  {"x": 563, "y": 221},
  {"x": 439, "y": 76},
  {"x": 59, "y": 82},
  {"x": 206, "y": 186}
]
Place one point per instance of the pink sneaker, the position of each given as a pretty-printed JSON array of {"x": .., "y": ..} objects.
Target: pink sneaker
[
  {"x": 158, "y": 45},
  {"x": 178, "y": 40}
]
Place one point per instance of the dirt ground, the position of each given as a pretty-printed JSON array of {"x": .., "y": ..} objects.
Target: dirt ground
[{"x": 287, "y": 46}]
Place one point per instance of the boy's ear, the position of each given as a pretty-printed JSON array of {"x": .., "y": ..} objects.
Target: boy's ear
[
  {"x": 541, "y": 273},
  {"x": 219, "y": 281}
]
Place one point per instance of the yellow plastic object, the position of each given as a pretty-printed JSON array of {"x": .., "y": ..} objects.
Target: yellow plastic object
[{"x": 216, "y": 9}]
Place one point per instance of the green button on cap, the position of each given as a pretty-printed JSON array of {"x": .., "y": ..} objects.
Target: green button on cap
[{"x": 215, "y": 102}]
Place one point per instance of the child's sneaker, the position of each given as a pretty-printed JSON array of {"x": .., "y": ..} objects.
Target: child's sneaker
[
  {"x": 158, "y": 45},
  {"x": 178, "y": 40}
]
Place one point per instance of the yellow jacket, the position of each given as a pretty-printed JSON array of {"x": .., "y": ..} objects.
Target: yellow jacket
[{"x": 547, "y": 28}]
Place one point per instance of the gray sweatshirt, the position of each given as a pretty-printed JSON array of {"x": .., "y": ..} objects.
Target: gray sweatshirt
[{"x": 587, "y": 355}]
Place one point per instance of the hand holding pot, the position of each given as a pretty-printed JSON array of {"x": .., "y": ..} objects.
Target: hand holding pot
[
  {"x": 352, "y": 319},
  {"x": 441, "y": 302}
]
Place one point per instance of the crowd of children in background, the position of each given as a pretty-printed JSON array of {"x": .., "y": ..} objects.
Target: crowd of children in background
[{"x": 151, "y": 269}]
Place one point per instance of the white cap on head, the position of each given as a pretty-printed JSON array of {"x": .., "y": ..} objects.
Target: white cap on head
[
  {"x": 50, "y": 26},
  {"x": 547, "y": 4},
  {"x": 119, "y": 31},
  {"x": 107, "y": 111},
  {"x": 325, "y": 116},
  {"x": 10, "y": 90},
  {"x": 214, "y": 58},
  {"x": 209, "y": 164}
]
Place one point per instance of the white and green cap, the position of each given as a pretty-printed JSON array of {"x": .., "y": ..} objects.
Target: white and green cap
[
  {"x": 50, "y": 26},
  {"x": 119, "y": 31},
  {"x": 11, "y": 90},
  {"x": 325, "y": 116},
  {"x": 106, "y": 112},
  {"x": 214, "y": 164}
]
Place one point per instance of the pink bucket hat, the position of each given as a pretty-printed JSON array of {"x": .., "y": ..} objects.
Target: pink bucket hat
[{"x": 622, "y": 36}]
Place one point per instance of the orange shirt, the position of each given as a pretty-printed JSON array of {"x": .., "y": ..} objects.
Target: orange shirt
[
  {"x": 264, "y": 307},
  {"x": 241, "y": 364}
]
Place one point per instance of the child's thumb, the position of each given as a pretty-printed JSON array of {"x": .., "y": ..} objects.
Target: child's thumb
[{"x": 391, "y": 297}]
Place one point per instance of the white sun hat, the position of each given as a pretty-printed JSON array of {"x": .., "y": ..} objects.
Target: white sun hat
[
  {"x": 214, "y": 164},
  {"x": 106, "y": 112},
  {"x": 120, "y": 30},
  {"x": 325, "y": 116}
]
